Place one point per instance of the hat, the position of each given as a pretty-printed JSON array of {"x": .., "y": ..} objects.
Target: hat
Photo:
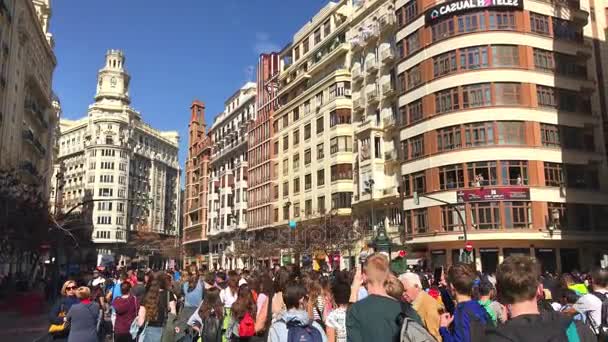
[{"x": 242, "y": 282}]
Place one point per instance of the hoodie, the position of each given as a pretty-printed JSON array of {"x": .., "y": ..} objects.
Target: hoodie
[
  {"x": 278, "y": 329},
  {"x": 460, "y": 330},
  {"x": 548, "y": 326}
]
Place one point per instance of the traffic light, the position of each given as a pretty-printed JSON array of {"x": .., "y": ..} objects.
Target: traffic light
[
  {"x": 416, "y": 198},
  {"x": 468, "y": 247}
]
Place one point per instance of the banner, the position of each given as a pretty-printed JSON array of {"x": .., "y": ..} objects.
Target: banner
[
  {"x": 448, "y": 9},
  {"x": 493, "y": 194}
]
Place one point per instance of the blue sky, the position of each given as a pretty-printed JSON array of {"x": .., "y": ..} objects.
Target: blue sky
[{"x": 176, "y": 50}]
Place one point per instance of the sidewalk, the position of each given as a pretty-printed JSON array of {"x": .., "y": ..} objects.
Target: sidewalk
[{"x": 16, "y": 327}]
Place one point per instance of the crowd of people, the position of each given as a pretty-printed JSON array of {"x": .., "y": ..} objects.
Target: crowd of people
[{"x": 370, "y": 303}]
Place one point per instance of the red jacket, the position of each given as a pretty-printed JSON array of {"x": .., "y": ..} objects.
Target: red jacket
[{"x": 126, "y": 311}]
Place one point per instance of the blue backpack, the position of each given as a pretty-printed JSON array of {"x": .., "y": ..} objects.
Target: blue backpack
[{"x": 298, "y": 332}]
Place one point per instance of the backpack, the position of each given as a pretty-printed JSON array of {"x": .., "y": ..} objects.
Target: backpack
[
  {"x": 319, "y": 321},
  {"x": 477, "y": 326},
  {"x": 246, "y": 326},
  {"x": 212, "y": 329},
  {"x": 412, "y": 331},
  {"x": 298, "y": 332},
  {"x": 603, "y": 324}
]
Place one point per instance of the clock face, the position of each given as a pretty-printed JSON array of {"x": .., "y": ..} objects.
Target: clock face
[{"x": 113, "y": 81}]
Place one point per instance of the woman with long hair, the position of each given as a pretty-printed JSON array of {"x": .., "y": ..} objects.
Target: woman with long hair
[
  {"x": 281, "y": 280},
  {"x": 60, "y": 310},
  {"x": 209, "y": 316},
  {"x": 192, "y": 290},
  {"x": 265, "y": 290},
  {"x": 126, "y": 307},
  {"x": 243, "y": 306},
  {"x": 158, "y": 302}
]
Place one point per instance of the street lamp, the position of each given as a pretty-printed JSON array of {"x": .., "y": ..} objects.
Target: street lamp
[{"x": 369, "y": 187}]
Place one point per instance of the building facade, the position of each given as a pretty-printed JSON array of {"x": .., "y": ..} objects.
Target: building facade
[
  {"x": 501, "y": 117},
  {"x": 376, "y": 202},
  {"x": 194, "y": 237},
  {"x": 28, "y": 109},
  {"x": 228, "y": 174},
  {"x": 129, "y": 169}
]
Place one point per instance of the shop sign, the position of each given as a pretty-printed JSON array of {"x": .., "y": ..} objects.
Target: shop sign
[
  {"x": 493, "y": 194},
  {"x": 453, "y": 7}
]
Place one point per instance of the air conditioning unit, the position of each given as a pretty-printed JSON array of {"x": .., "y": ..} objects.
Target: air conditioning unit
[{"x": 347, "y": 92}]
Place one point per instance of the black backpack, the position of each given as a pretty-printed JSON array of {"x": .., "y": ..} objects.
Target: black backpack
[
  {"x": 603, "y": 324},
  {"x": 212, "y": 328},
  {"x": 477, "y": 326}
]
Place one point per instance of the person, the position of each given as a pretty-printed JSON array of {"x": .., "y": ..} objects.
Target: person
[
  {"x": 569, "y": 281},
  {"x": 295, "y": 318},
  {"x": 483, "y": 292},
  {"x": 316, "y": 302},
  {"x": 158, "y": 303},
  {"x": 228, "y": 295},
  {"x": 569, "y": 298},
  {"x": 139, "y": 290},
  {"x": 470, "y": 318},
  {"x": 126, "y": 307},
  {"x": 243, "y": 306},
  {"x": 518, "y": 283},
  {"x": 208, "y": 280},
  {"x": 335, "y": 325},
  {"x": 97, "y": 279},
  {"x": 426, "y": 307},
  {"x": 591, "y": 303},
  {"x": 209, "y": 316},
  {"x": 61, "y": 308},
  {"x": 264, "y": 306},
  {"x": 374, "y": 318},
  {"x": 132, "y": 278},
  {"x": 280, "y": 283},
  {"x": 439, "y": 281},
  {"x": 84, "y": 318}
]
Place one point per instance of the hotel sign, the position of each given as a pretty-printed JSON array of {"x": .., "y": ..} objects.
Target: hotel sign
[
  {"x": 454, "y": 7},
  {"x": 493, "y": 194}
]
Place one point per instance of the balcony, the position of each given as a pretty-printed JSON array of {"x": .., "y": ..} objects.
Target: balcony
[
  {"x": 29, "y": 137},
  {"x": 580, "y": 16},
  {"x": 366, "y": 124},
  {"x": 357, "y": 103},
  {"x": 390, "y": 191},
  {"x": 356, "y": 72},
  {"x": 371, "y": 65},
  {"x": 29, "y": 167},
  {"x": 389, "y": 119},
  {"x": 371, "y": 92},
  {"x": 387, "y": 54},
  {"x": 32, "y": 107},
  {"x": 387, "y": 87},
  {"x": 391, "y": 155},
  {"x": 386, "y": 21}
]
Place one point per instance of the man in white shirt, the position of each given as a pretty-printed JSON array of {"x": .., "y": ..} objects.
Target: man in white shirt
[{"x": 591, "y": 303}]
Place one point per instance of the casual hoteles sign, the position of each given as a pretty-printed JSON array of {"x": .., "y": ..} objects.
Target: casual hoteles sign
[{"x": 452, "y": 7}]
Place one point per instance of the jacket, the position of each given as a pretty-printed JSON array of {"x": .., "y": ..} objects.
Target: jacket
[
  {"x": 278, "y": 330},
  {"x": 126, "y": 311},
  {"x": 64, "y": 303},
  {"x": 544, "y": 327},
  {"x": 461, "y": 326}
]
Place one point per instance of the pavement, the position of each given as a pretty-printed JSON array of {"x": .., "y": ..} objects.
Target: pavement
[{"x": 16, "y": 327}]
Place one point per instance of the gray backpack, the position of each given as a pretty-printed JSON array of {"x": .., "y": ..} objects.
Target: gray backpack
[{"x": 412, "y": 331}]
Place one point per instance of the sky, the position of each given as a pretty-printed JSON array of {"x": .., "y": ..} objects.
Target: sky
[{"x": 176, "y": 51}]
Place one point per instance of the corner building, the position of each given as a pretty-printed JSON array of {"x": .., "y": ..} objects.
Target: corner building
[{"x": 500, "y": 112}]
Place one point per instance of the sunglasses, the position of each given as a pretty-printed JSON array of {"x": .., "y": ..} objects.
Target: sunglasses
[{"x": 71, "y": 287}]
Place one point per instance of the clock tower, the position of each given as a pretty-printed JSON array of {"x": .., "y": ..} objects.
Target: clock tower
[{"x": 113, "y": 80}]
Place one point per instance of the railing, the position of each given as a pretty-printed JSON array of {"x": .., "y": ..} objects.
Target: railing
[
  {"x": 29, "y": 136},
  {"x": 371, "y": 64},
  {"x": 391, "y": 155},
  {"x": 371, "y": 92},
  {"x": 356, "y": 72},
  {"x": 33, "y": 107}
]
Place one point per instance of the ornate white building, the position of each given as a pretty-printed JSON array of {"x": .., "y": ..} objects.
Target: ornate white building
[{"x": 113, "y": 154}]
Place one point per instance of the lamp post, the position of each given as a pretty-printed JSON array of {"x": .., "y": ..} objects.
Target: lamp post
[{"x": 369, "y": 187}]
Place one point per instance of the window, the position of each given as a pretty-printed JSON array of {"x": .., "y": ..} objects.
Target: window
[
  {"x": 505, "y": 55},
  {"x": 321, "y": 204},
  {"x": 450, "y": 219},
  {"x": 339, "y": 117},
  {"x": 296, "y": 137},
  {"x": 502, "y": 21},
  {"x": 485, "y": 215},
  {"x": 341, "y": 144},
  {"x": 317, "y": 36},
  {"x": 105, "y": 192},
  {"x": 507, "y": 94},
  {"x": 377, "y": 147},
  {"x": 414, "y": 111},
  {"x": 471, "y": 22},
  {"x": 413, "y": 77},
  {"x": 570, "y": 66},
  {"x": 549, "y": 135},
  {"x": 545, "y": 96},
  {"x": 320, "y": 177},
  {"x": 276, "y": 148},
  {"x": 518, "y": 215},
  {"x": 514, "y": 172},
  {"x": 285, "y": 142},
  {"x": 308, "y": 208},
  {"x": 275, "y": 192},
  {"x": 448, "y": 138},
  {"x": 511, "y": 133},
  {"x": 296, "y": 185},
  {"x": 418, "y": 183},
  {"x": 285, "y": 120},
  {"x": 543, "y": 59},
  {"x": 296, "y": 161},
  {"x": 482, "y": 173},
  {"x": 296, "y": 209},
  {"x": 285, "y": 167},
  {"x": 416, "y": 146},
  {"x": 451, "y": 177},
  {"x": 296, "y": 114},
  {"x": 582, "y": 176},
  {"x": 104, "y": 220},
  {"x": 276, "y": 214},
  {"x": 577, "y": 138},
  {"x": 320, "y": 151},
  {"x": 407, "y": 13},
  {"x": 412, "y": 43},
  {"x": 326, "y": 28},
  {"x": 476, "y": 95},
  {"x": 286, "y": 213},
  {"x": 539, "y": 23},
  {"x": 307, "y": 132},
  {"x": 564, "y": 29},
  {"x": 285, "y": 189},
  {"x": 443, "y": 29},
  {"x": 104, "y": 206},
  {"x": 341, "y": 200},
  {"x": 446, "y": 100},
  {"x": 479, "y": 134},
  {"x": 341, "y": 172},
  {"x": 444, "y": 64},
  {"x": 554, "y": 175},
  {"x": 307, "y": 157},
  {"x": 320, "y": 124},
  {"x": 421, "y": 220}
]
